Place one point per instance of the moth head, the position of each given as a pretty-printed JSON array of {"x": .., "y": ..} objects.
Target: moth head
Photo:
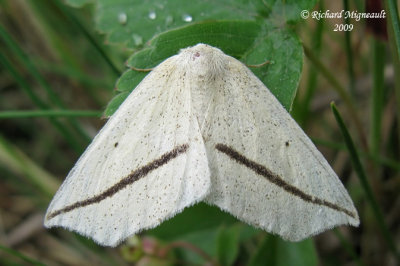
[{"x": 203, "y": 61}]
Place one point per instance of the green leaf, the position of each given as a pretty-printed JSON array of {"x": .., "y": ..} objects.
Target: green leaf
[
  {"x": 258, "y": 34},
  {"x": 205, "y": 239},
  {"x": 283, "y": 50},
  {"x": 125, "y": 84},
  {"x": 228, "y": 244},
  {"x": 233, "y": 37},
  {"x": 201, "y": 225},
  {"x": 78, "y": 3},
  {"x": 288, "y": 10},
  {"x": 129, "y": 80},
  {"x": 196, "y": 218},
  {"x": 115, "y": 103},
  {"x": 143, "y": 19},
  {"x": 275, "y": 251}
]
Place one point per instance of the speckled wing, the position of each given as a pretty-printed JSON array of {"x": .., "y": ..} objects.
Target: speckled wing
[
  {"x": 265, "y": 170},
  {"x": 145, "y": 165}
]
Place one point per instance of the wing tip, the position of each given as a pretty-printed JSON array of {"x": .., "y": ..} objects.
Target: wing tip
[
  {"x": 299, "y": 237},
  {"x": 354, "y": 222}
]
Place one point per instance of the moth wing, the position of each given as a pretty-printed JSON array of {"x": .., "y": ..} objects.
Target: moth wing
[
  {"x": 153, "y": 144},
  {"x": 277, "y": 180}
]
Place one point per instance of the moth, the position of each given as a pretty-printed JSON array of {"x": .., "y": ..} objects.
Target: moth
[{"x": 200, "y": 127}]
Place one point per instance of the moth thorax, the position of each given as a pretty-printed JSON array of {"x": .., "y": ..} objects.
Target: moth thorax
[{"x": 203, "y": 62}]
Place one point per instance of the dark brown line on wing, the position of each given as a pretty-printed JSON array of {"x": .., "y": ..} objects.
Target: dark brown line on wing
[
  {"x": 277, "y": 180},
  {"x": 131, "y": 178}
]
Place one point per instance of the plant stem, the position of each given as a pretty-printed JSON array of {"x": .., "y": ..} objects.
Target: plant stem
[{"x": 49, "y": 113}]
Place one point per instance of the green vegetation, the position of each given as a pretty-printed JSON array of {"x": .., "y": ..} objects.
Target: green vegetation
[{"x": 66, "y": 65}]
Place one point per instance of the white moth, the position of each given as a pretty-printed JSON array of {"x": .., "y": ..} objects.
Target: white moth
[{"x": 200, "y": 127}]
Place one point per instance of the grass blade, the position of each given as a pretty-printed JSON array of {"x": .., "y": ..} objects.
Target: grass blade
[
  {"x": 49, "y": 113},
  {"x": 88, "y": 35},
  {"x": 21, "y": 256},
  {"x": 24, "y": 59},
  {"x": 394, "y": 38},
  {"x": 377, "y": 95},
  {"x": 27, "y": 89},
  {"x": 340, "y": 90},
  {"x": 364, "y": 182},
  {"x": 20, "y": 164},
  {"x": 394, "y": 18},
  {"x": 348, "y": 247},
  {"x": 349, "y": 52},
  {"x": 303, "y": 105}
]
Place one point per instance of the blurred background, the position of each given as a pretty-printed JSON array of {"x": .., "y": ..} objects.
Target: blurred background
[{"x": 58, "y": 73}]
